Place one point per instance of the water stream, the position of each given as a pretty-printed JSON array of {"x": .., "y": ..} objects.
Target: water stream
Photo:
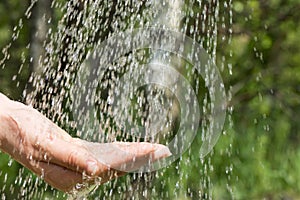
[{"x": 133, "y": 71}]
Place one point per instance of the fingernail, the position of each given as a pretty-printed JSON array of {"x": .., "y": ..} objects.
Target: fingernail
[
  {"x": 92, "y": 167},
  {"x": 162, "y": 152}
]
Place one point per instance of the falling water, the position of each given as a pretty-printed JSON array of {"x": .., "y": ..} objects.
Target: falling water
[{"x": 83, "y": 102}]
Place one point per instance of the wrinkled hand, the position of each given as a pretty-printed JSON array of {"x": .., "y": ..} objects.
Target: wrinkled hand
[{"x": 47, "y": 150}]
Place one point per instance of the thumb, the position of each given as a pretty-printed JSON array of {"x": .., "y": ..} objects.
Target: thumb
[{"x": 127, "y": 156}]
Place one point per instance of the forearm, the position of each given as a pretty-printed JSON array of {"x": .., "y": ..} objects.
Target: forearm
[
  {"x": 6, "y": 129},
  {"x": 28, "y": 120},
  {"x": 10, "y": 141},
  {"x": 28, "y": 135},
  {"x": 10, "y": 132},
  {"x": 6, "y": 125}
]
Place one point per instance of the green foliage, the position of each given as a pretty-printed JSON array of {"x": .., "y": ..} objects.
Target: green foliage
[{"x": 258, "y": 156}]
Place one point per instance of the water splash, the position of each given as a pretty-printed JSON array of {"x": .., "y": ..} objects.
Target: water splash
[{"x": 83, "y": 25}]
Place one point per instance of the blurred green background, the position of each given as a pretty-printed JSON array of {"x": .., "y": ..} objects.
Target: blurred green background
[{"x": 257, "y": 156}]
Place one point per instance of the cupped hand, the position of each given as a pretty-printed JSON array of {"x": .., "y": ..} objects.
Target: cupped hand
[{"x": 50, "y": 152}]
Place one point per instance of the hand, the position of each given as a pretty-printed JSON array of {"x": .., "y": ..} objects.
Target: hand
[{"x": 47, "y": 150}]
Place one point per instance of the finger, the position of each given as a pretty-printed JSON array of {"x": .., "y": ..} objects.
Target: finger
[
  {"x": 143, "y": 153},
  {"x": 73, "y": 156},
  {"x": 157, "y": 151},
  {"x": 59, "y": 177},
  {"x": 67, "y": 180},
  {"x": 126, "y": 156}
]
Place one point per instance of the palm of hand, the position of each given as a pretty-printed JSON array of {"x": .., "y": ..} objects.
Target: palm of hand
[{"x": 47, "y": 150}]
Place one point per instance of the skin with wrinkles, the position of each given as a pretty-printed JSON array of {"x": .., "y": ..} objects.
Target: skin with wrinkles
[{"x": 47, "y": 150}]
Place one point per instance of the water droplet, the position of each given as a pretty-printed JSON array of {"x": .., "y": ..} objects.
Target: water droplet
[
  {"x": 42, "y": 174},
  {"x": 10, "y": 162}
]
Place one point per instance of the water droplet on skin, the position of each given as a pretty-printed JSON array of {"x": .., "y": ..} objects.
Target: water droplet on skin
[
  {"x": 45, "y": 157},
  {"x": 79, "y": 186},
  {"x": 42, "y": 174}
]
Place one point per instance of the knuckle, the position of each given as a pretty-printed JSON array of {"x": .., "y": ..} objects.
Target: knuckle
[{"x": 72, "y": 158}]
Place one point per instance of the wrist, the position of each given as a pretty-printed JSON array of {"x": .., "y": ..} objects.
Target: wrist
[{"x": 8, "y": 131}]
